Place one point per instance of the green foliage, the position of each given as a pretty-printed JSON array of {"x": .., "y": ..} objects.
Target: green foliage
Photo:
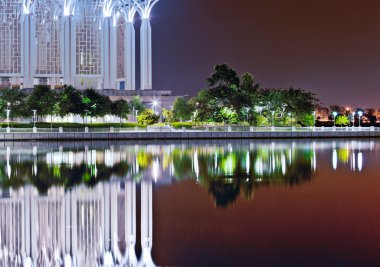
[
  {"x": 96, "y": 104},
  {"x": 224, "y": 76},
  {"x": 261, "y": 121},
  {"x": 70, "y": 102},
  {"x": 182, "y": 110},
  {"x": 71, "y": 125},
  {"x": 148, "y": 117},
  {"x": 342, "y": 120},
  {"x": 168, "y": 115},
  {"x": 179, "y": 125},
  {"x": 308, "y": 120},
  {"x": 229, "y": 115},
  {"x": 137, "y": 104},
  {"x": 120, "y": 108},
  {"x": 17, "y": 102},
  {"x": 42, "y": 99}
]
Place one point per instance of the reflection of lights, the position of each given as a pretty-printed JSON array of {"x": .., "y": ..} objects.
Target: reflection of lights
[
  {"x": 283, "y": 164},
  {"x": 353, "y": 162},
  {"x": 360, "y": 161},
  {"x": 259, "y": 166},
  {"x": 196, "y": 165},
  {"x": 247, "y": 164},
  {"x": 9, "y": 171},
  {"x": 335, "y": 159},
  {"x": 156, "y": 169}
]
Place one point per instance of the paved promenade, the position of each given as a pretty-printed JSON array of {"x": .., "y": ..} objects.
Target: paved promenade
[{"x": 256, "y": 133}]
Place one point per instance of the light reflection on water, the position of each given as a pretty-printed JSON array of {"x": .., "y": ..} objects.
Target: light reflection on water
[{"x": 74, "y": 205}]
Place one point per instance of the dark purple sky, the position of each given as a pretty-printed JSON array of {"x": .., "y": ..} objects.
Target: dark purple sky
[{"x": 329, "y": 47}]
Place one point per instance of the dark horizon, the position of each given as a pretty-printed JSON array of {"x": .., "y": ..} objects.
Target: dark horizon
[{"x": 329, "y": 48}]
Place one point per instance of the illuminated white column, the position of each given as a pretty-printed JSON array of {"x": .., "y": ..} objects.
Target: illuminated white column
[
  {"x": 68, "y": 51},
  {"x": 146, "y": 54},
  {"x": 28, "y": 50},
  {"x": 109, "y": 53},
  {"x": 130, "y": 56},
  {"x": 146, "y": 223}
]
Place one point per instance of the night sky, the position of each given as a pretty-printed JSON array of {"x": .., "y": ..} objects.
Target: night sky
[{"x": 329, "y": 47}]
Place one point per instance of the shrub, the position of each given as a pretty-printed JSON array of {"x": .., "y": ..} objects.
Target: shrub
[{"x": 148, "y": 117}]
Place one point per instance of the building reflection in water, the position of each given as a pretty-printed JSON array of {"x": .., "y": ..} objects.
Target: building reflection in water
[
  {"x": 77, "y": 206},
  {"x": 84, "y": 226}
]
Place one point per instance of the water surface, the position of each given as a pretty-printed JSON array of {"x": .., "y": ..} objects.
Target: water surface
[{"x": 227, "y": 203}]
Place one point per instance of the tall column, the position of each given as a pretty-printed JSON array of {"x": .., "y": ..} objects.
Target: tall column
[
  {"x": 68, "y": 53},
  {"x": 28, "y": 51},
  {"x": 130, "y": 56},
  {"x": 109, "y": 53},
  {"x": 146, "y": 54}
]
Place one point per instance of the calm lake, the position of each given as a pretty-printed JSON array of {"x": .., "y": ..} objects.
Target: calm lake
[{"x": 223, "y": 203}]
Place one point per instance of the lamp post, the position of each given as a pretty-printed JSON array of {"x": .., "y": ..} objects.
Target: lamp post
[
  {"x": 8, "y": 113},
  {"x": 353, "y": 118},
  {"x": 314, "y": 115},
  {"x": 291, "y": 118},
  {"x": 360, "y": 114},
  {"x": 34, "y": 118},
  {"x": 335, "y": 114},
  {"x": 272, "y": 118}
]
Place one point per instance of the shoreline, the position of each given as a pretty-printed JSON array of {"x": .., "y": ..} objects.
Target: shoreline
[{"x": 186, "y": 135}]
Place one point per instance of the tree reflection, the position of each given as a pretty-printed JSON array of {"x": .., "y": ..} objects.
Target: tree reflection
[{"x": 225, "y": 171}]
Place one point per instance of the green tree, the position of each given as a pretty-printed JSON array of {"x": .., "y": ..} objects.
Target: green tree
[
  {"x": 70, "y": 102},
  {"x": 137, "y": 104},
  {"x": 223, "y": 76},
  {"x": 96, "y": 104},
  {"x": 342, "y": 120},
  {"x": 182, "y": 110},
  {"x": 308, "y": 120},
  {"x": 168, "y": 115},
  {"x": 148, "y": 117},
  {"x": 43, "y": 99},
  {"x": 121, "y": 109},
  {"x": 229, "y": 115},
  {"x": 17, "y": 102}
]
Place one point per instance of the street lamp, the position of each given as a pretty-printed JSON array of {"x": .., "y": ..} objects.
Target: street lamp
[
  {"x": 291, "y": 118},
  {"x": 34, "y": 117},
  {"x": 272, "y": 118},
  {"x": 335, "y": 114},
  {"x": 353, "y": 118},
  {"x": 360, "y": 114},
  {"x": 314, "y": 115},
  {"x": 8, "y": 112}
]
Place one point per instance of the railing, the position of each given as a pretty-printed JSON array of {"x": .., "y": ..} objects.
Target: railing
[{"x": 193, "y": 129}]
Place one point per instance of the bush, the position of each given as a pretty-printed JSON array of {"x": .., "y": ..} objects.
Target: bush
[
  {"x": 148, "y": 117},
  {"x": 70, "y": 125},
  {"x": 261, "y": 121},
  {"x": 179, "y": 125}
]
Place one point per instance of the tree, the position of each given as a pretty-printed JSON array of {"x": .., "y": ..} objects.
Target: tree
[
  {"x": 121, "y": 109},
  {"x": 308, "y": 120},
  {"x": 224, "y": 76},
  {"x": 182, "y": 110},
  {"x": 342, "y": 120},
  {"x": 229, "y": 115},
  {"x": 70, "y": 102},
  {"x": 148, "y": 117},
  {"x": 137, "y": 104},
  {"x": 17, "y": 102},
  {"x": 42, "y": 100},
  {"x": 96, "y": 104}
]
